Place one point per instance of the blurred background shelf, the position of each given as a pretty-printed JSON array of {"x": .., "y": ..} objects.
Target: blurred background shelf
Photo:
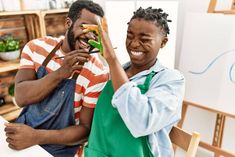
[
  {"x": 6, "y": 66},
  {"x": 25, "y": 26},
  {"x": 10, "y": 112}
]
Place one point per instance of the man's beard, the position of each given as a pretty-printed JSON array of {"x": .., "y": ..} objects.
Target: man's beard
[{"x": 70, "y": 38}]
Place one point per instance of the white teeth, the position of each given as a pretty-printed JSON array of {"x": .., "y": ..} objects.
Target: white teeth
[{"x": 136, "y": 53}]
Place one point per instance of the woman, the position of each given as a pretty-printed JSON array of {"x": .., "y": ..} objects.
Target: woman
[{"x": 142, "y": 100}]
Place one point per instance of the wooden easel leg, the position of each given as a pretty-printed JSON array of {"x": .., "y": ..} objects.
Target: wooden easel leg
[
  {"x": 218, "y": 132},
  {"x": 183, "y": 114},
  {"x": 212, "y": 6},
  {"x": 233, "y": 5}
]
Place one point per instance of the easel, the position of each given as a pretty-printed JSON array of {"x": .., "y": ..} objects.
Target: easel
[
  {"x": 215, "y": 147},
  {"x": 212, "y": 5}
]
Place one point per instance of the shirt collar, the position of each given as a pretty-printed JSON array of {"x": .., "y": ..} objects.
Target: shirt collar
[{"x": 156, "y": 68}]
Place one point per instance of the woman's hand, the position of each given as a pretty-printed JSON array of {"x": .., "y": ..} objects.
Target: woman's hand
[
  {"x": 108, "y": 51},
  {"x": 118, "y": 75}
]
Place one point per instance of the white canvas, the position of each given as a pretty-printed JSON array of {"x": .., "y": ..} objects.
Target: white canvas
[{"x": 208, "y": 52}]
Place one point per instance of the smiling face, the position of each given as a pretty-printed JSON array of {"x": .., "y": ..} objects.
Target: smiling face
[
  {"x": 144, "y": 39},
  {"x": 75, "y": 36}
]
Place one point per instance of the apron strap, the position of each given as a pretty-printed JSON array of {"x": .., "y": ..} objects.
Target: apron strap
[
  {"x": 52, "y": 53},
  {"x": 144, "y": 87},
  {"x": 75, "y": 76}
]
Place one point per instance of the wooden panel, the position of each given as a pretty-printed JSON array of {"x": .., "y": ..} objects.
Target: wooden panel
[
  {"x": 17, "y": 32},
  {"x": 7, "y": 108},
  {"x": 208, "y": 109},
  {"x": 15, "y": 26},
  {"x": 22, "y": 27},
  {"x": 11, "y": 116},
  {"x": 11, "y": 22},
  {"x": 216, "y": 150},
  {"x": 10, "y": 112},
  {"x": 212, "y": 6},
  {"x": 55, "y": 24},
  {"x": 233, "y": 5},
  {"x": 14, "y": 13},
  {"x": 8, "y": 66},
  {"x": 180, "y": 138},
  {"x": 229, "y": 12},
  {"x": 32, "y": 27}
]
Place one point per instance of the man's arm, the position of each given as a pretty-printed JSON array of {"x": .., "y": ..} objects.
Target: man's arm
[
  {"x": 70, "y": 135},
  {"x": 20, "y": 136},
  {"x": 29, "y": 89}
]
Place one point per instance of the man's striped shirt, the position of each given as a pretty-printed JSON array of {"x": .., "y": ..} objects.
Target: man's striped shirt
[{"x": 89, "y": 83}]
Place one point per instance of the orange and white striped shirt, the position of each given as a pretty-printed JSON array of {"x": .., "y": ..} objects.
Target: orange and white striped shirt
[{"x": 89, "y": 83}]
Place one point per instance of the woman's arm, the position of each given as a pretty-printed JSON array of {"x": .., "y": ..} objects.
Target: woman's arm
[
  {"x": 118, "y": 75},
  {"x": 147, "y": 113}
]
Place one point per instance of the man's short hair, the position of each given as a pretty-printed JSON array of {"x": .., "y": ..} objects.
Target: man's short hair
[{"x": 77, "y": 6}]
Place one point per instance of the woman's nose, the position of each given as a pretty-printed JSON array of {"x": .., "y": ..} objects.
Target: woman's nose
[{"x": 134, "y": 43}]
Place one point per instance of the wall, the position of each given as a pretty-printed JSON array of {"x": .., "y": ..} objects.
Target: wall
[{"x": 185, "y": 6}]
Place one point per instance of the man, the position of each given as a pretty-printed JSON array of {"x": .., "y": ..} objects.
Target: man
[{"x": 58, "y": 104}]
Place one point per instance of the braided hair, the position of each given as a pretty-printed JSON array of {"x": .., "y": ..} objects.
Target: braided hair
[
  {"x": 76, "y": 8},
  {"x": 155, "y": 15}
]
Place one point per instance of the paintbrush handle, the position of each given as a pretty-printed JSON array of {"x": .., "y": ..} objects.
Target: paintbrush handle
[{"x": 91, "y": 52}]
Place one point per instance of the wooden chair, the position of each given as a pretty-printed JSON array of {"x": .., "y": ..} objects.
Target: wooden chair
[{"x": 186, "y": 141}]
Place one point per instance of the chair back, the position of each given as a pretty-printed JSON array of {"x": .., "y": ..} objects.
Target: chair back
[{"x": 186, "y": 141}]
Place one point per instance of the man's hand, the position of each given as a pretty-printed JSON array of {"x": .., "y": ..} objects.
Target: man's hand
[
  {"x": 73, "y": 61},
  {"x": 20, "y": 136}
]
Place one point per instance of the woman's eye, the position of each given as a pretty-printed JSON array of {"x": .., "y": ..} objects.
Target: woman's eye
[
  {"x": 145, "y": 40},
  {"x": 129, "y": 36}
]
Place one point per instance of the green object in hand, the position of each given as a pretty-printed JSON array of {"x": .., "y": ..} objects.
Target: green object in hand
[
  {"x": 97, "y": 45},
  {"x": 95, "y": 29}
]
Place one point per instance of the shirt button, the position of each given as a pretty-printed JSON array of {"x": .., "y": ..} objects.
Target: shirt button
[{"x": 62, "y": 93}]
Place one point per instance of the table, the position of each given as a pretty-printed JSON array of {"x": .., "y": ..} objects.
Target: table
[{"x": 28, "y": 152}]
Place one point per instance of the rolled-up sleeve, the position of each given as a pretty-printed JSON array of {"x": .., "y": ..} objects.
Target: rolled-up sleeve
[{"x": 144, "y": 114}]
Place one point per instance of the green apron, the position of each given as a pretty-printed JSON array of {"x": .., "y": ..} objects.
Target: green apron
[{"x": 109, "y": 135}]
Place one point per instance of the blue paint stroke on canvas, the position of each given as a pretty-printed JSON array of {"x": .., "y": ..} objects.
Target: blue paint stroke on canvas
[{"x": 213, "y": 62}]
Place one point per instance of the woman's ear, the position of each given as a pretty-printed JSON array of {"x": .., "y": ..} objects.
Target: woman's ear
[
  {"x": 164, "y": 41},
  {"x": 68, "y": 23}
]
